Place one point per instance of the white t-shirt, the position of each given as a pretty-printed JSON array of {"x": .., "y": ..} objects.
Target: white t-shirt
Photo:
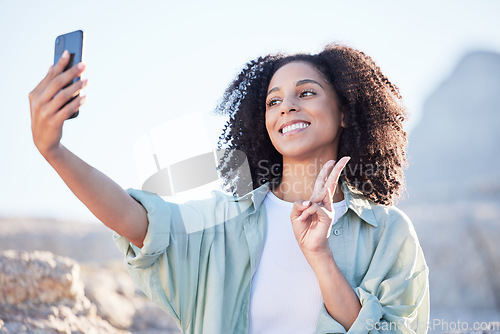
[{"x": 285, "y": 296}]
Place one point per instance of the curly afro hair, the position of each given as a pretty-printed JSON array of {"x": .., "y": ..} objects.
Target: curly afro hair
[{"x": 373, "y": 135}]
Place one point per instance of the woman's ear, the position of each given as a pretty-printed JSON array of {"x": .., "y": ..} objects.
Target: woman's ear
[{"x": 342, "y": 117}]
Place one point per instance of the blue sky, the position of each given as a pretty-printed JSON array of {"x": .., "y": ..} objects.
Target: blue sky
[{"x": 150, "y": 63}]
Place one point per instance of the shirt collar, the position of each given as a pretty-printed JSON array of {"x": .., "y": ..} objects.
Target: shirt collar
[
  {"x": 354, "y": 200},
  {"x": 256, "y": 196},
  {"x": 259, "y": 194}
]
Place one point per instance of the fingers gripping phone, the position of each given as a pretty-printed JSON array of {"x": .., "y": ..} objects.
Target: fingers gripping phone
[{"x": 74, "y": 43}]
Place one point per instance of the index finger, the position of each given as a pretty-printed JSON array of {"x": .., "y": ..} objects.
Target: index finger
[
  {"x": 331, "y": 183},
  {"x": 326, "y": 188},
  {"x": 54, "y": 70},
  {"x": 322, "y": 177},
  {"x": 62, "y": 63}
]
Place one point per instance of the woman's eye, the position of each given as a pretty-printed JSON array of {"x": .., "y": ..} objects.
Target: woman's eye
[
  {"x": 272, "y": 103},
  {"x": 307, "y": 93}
]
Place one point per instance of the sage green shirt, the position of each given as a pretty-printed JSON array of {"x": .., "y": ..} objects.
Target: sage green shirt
[{"x": 199, "y": 257}]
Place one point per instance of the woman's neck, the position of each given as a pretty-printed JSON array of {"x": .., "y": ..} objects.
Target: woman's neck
[{"x": 298, "y": 180}]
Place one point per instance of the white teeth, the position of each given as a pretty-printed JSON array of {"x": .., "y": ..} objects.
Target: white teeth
[{"x": 294, "y": 126}]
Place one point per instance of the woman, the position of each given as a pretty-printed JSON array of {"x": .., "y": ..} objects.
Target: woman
[{"x": 226, "y": 264}]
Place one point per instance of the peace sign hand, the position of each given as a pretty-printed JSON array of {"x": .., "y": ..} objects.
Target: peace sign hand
[{"x": 312, "y": 220}]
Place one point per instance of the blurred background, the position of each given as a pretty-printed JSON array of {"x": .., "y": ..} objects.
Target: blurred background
[{"x": 161, "y": 67}]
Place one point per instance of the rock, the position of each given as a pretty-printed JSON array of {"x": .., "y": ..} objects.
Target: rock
[
  {"x": 29, "y": 279},
  {"x": 43, "y": 293},
  {"x": 453, "y": 184},
  {"x": 99, "y": 278},
  {"x": 121, "y": 303},
  {"x": 452, "y": 150},
  {"x": 116, "y": 308}
]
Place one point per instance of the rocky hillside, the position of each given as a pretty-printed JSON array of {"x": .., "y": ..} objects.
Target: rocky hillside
[
  {"x": 453, "y": 186},
  {"x": 453, "y": 151},
  {"x": 41, "y": 292}
]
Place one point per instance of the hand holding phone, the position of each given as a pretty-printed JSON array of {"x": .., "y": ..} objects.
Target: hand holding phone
[
  {"x": 54, "y": 100},
  {"x": 73, "y": 42}
]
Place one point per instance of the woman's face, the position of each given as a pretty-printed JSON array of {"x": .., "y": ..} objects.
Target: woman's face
[{"x": 302, "y": 113}]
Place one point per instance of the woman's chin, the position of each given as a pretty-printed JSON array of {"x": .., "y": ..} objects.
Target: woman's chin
[
  {"x": 307, "y": 152},
  {"x": 295, "y": 153}
]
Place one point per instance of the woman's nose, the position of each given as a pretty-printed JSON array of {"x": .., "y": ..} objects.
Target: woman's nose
[{"x": 289, "y": 105}]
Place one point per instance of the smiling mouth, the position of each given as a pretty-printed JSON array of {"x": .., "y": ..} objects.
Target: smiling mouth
[{"x": 296, "y": 127}]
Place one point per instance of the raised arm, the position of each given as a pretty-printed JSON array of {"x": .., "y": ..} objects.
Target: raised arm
[{"x": 104, "y": 197}]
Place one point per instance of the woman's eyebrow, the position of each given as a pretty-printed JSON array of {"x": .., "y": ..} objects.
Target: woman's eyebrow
[
  {"x": 300, "y": 82},
  {"x": 304, "y": 81},
  {"x": 273, "y": 90}
]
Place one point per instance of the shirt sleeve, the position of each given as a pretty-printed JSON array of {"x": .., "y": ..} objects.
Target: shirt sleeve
[
  {"x": 394, "y": 294},
  {"x": 167, "y": 267}
]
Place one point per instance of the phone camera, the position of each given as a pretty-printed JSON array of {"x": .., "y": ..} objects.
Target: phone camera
[{"x": 60, "y": 44}]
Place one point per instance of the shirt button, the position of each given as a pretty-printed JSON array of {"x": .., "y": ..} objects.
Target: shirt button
[{"x": 336, "y": 232}]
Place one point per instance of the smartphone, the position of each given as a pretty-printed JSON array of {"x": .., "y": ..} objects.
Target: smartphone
[{"x": 74, "y": 42}]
